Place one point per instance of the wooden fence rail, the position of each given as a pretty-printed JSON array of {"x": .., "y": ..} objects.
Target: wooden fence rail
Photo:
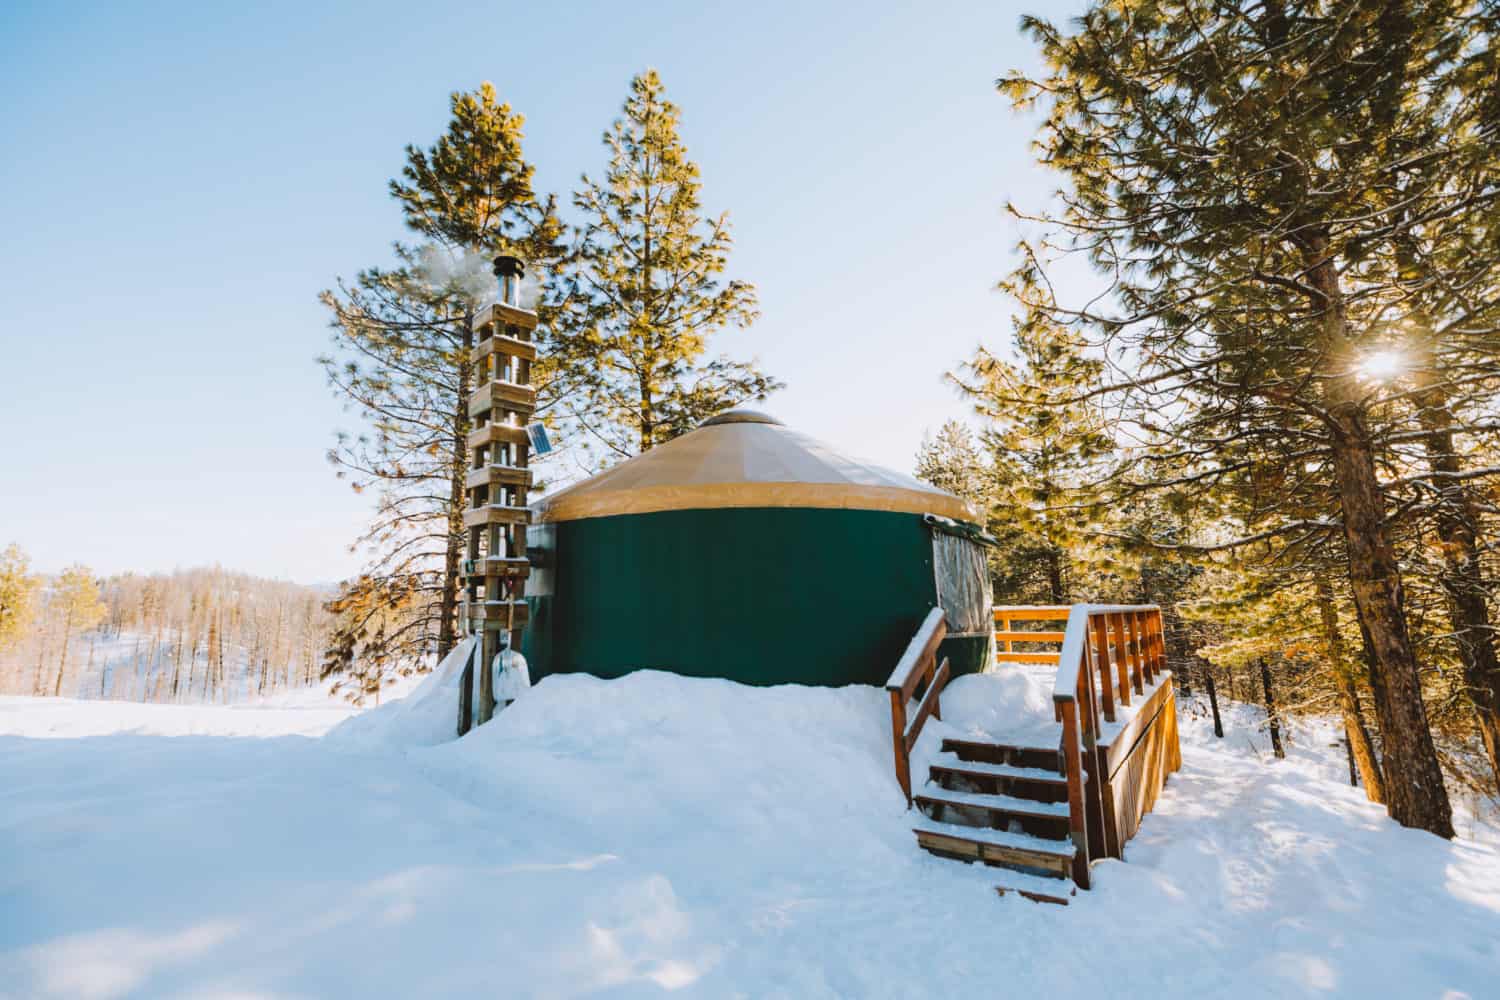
[
  {"x": 1007, "y": 636},
  {"x": 1108, "y": 654},
  {"x": 918, "y": 666}
]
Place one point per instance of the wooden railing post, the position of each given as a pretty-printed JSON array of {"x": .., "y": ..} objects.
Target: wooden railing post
[
  {"x": 1073, "y": 765},
  {"x": 1099, "y": 829},
  {"x": 1118, "y": 648},
  {"x": 1159, "y": 644},
  {"x": 1101, "y": 661},
  {"x": 918, "y": 667},
  {"x": 1122, "y": 661},
  {"x": 898, "y": 743},
  {"x": 1148, "y": 647},
  {"x": 1132, "y": 652}
]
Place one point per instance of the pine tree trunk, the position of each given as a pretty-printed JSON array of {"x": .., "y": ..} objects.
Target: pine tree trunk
[
  {"x": 1357, "y": 735},
  {"x": 1055, "y": 575},
  {"x": 177, "y": 663},
  {"x": 62, "y": 663},
  {"x": 1462, "y": 576},
  {"x": 1272, "y": 720},
  {"x": 41, "y": 659},
  {"x": 1213, "y": 702},
  {"x": 647, "y": 415},
  {"x": 1177, "y": 651},
  {"x": 1415, "y": 795},
  {"x": 192, "y": 660},
  {"x": 458, "y": 475}
]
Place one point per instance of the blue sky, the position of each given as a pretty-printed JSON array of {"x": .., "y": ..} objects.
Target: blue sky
[{"x": 180, "y": 180}]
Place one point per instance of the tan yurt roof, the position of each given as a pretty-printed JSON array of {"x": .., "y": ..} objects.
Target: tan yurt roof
[{"x": 743, "y": 458}]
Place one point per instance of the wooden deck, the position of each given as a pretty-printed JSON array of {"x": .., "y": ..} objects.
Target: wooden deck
[{"x": 1047, "y": 812}]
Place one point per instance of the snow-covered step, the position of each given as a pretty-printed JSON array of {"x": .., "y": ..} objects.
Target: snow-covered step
[
  {"x": 1019, "y": 754},
  {"x": 937, "y": 795},
  {"x": 1037, "y": 888},
  {"x": 1019, "y": 850},
  {"x": 951, "y": 763}
]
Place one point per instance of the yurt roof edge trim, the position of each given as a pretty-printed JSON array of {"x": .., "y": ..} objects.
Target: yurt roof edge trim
[
  {"x": 710, "y": 496},
  {"x": 746, "y": 464}
]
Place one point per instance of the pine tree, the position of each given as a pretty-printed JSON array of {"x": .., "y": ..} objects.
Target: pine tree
[
  {"x": 471, "y": 192},
  {"x": 404, "y": 341},
  {"x": 1228, "y": 170},
  {"x": 1045, "y": 445},
  {"x": 18, "y": 591},
  {"x": 644, "y": 292},
  {"x": 1444, "y": 350},
  {"x": 951, "y": 461},
  {"x": 77, "y": 594}
]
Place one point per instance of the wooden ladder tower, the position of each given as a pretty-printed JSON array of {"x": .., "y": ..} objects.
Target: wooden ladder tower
[{"x": 499, "y": 478}]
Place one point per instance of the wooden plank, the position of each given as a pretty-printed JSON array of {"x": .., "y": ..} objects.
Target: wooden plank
[
  {"x": 919, "y": 654},
  {"x": 1174, "y": 745},
  {"x": 1022, "y": 613},
  {"x": 1028, "y": 657},
  {"x": 501, "y": 313},
  {"x": 493, "y": 616},
  {"x": 1138, "y": 781},
  {"x": 493, "y": 433},
  {"x": 1059, "y": 897},
  {"x": 951, "y": 764},
  {"x": 1006, "y": 805},
  {"x": 1077, "y": 819},
  {"x": 1140, "y": 770},
  {"x": 478, "y": 516},
  {"x": 505, "y": 395},
  {"x": 501, "y": 344},
  {"x": 999, "y": 853},
  {"x": 1137, "y": 629},
  {"x": 1031, "y": 754},
  {"x": 501, "y": 475},
  {"x": 929, "y": 705},
  {"x": 1093, "y": 799},
  {"x": 1122, "y": 661},
  {"x": 898, "y": 743},
  {"x": 1098, "y": 625},
  {"x": 1032, "y": 636},
  {"x": 1158, "y": 642},
  {"x": 1120, "y": 743}
]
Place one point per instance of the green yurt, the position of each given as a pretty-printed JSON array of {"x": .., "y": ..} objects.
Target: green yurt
[{"x": 748, "y": 551}]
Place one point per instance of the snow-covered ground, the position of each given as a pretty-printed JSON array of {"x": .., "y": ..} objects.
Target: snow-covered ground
[
  {"x": 65, "y": 718},
  {"x": 661, "y": 835}
]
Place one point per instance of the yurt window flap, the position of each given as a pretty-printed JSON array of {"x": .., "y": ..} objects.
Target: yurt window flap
[{"x": 963, "y": 575}]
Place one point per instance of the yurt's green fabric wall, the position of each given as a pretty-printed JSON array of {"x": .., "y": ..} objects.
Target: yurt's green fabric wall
[{"x": 756, "y": 595}]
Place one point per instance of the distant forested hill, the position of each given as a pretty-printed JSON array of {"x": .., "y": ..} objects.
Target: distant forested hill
[{"x": 194, "y": 635}]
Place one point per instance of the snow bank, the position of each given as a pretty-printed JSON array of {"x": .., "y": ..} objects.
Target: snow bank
[
  {"x": 70, "y": 718},
  {"x": 660, "y": 834},
  {"x": 426, "y": 715}
]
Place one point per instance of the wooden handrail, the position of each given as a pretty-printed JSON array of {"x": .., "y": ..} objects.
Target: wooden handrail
[
  {"x": 1096, "y": 634},
  {"x": 918, "y": 665},
  {"x": 1007, "y": 635}
]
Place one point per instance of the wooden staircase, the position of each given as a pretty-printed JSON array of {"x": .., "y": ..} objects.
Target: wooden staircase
[
  {"x": 1006, "y": 806},
  {"x": 1042, "y": 813}
]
